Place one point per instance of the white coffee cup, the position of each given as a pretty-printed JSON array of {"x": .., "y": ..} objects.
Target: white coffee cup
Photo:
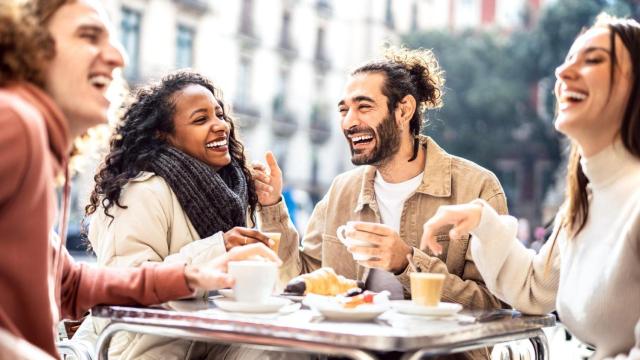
[
  {"x": 347, "y": 241},
  {"x": 255, "y": 280}
]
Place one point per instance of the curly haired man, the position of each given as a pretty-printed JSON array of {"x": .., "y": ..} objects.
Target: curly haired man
[{"x": 401, "y": 179}]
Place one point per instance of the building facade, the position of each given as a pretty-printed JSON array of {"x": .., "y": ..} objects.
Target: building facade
[{"x": 282, "y": 64}]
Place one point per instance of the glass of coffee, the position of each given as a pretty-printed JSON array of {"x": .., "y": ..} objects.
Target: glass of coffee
[
  {"x": 426, "y": 288},
  {"x": 275, "y": 236}
]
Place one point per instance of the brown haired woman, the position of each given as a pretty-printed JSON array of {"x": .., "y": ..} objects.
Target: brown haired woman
[{"x": 590, "y": 271}]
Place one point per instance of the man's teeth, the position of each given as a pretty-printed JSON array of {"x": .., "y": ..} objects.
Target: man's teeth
[
  {"x": 361, "y": 138},
  {"x": 100, "y": 80},
  {"x": 574, "y": 95},
  {"x": 217, "y": 143}
]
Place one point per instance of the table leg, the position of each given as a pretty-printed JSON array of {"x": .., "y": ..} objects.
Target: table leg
[
  {"x": 540, "y": 345},
  {"x": 104, "y": 339},
  {"x": 537, "y": 338},
  {"x": 72, "y": 347},
  {"x": 102, "y": 346}
]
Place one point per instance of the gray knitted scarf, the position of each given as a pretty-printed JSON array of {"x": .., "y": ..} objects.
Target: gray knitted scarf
[{"x": 213, "y": 200}]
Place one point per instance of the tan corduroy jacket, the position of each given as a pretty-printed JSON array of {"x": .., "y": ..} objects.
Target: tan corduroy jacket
[{"x": 447, "y": 180}]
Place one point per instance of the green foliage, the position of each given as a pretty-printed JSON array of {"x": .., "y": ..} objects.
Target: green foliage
[
  {"x": 486, "y": 96},
  {"x": 488, "y": 111}
]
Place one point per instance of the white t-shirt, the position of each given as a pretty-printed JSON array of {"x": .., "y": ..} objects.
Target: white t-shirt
[{"x": 390, "y": 198}]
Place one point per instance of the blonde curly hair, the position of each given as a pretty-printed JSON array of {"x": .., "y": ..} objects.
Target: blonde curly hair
[{"x": 25, "y": 45}]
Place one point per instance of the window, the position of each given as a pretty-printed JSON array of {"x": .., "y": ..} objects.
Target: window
[
  {"x": 243, "y": 96},
  {"x": 280, "y": 100},
  {"x": 388, "y": 15},
  {"x": 285, "y": 36},
  {"x": 130, "y": 30},
  {"x": 414, "y": 16},
  {"x": 184, "y": 46},
  {"x": 246, "y": 18},
  {"x": 320, "y": 53}
]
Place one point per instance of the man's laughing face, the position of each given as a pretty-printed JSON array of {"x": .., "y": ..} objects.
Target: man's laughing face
[{"x": 370, "y": 129}]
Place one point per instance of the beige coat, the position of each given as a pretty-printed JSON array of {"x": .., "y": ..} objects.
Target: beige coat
[
  {"x": 447, "y": 180},
  {"x": 154, "y": 228}
]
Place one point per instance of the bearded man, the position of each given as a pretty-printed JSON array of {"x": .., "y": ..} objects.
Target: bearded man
[{"x": 401, "y": 179}]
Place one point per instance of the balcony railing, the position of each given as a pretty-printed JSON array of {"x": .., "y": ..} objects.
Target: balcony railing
[
  {"x": 319, "y": 127},
  {"x": 284, "y": 124},
  {"x": 195, "y": 6},
  {"x": 246, "y": 114}
]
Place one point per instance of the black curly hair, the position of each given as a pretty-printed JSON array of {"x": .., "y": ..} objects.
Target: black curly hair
[{"x": 140, "y": 135}]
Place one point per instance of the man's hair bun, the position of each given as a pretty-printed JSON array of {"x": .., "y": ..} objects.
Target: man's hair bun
[{"x": 425, "y": 72}]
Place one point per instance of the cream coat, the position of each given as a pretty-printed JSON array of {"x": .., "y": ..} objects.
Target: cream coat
[{"x": 153, "y": 227}]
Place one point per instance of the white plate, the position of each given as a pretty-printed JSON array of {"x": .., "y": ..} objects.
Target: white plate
[
  {"x": 331, "y": 309},
  {"x": 410, "y": 308},
  {"x": 364, "y": 312},
  {"x": 273, "y": 304}
]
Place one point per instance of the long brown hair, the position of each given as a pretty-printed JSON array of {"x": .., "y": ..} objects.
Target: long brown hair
[{"x": 575, "y": 210}]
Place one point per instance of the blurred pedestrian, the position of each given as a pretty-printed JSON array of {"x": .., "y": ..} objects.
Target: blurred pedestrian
[
  {"x": 539, "y": 235},
  {"x": 523, "y": 231}
]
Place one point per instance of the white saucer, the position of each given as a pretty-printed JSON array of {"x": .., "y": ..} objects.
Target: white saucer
[
  {"x": 410, "y": 308},
  {"x": 273, "y": 304},
  {"x": 331, "y": 309},
  {"x": 228, "y": 293}
]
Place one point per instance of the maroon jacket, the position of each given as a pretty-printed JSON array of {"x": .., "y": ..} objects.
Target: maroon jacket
[{"x": 34, "y": 145}]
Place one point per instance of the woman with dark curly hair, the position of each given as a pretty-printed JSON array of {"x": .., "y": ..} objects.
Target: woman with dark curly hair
[
  {"x": 178, "y": 133},
  {"x": 175, "y": 173}
]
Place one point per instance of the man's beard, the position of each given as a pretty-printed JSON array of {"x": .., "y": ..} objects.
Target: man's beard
[{"x": 387, "y": 138}]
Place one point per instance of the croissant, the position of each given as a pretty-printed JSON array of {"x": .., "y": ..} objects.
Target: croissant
[{"x": 323, "y": 281}]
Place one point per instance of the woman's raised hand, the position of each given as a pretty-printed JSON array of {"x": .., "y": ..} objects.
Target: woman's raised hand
[
  {"x": 212, "y": 276},
  {"x": 464, "y": 218},
  {"x": 268, "y": 180},
  {"x": 240, "y": 236}
]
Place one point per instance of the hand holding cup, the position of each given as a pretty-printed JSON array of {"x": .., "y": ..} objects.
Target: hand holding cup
[{"x": 213, "y": 275}]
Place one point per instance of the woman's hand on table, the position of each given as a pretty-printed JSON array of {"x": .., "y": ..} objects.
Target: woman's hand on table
[
  {"x": 464, "y": 218},
  {"x": 241, "y": 236},
  {"x": 268, "y": 180},
  {"x": 212, "y": 276}
]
